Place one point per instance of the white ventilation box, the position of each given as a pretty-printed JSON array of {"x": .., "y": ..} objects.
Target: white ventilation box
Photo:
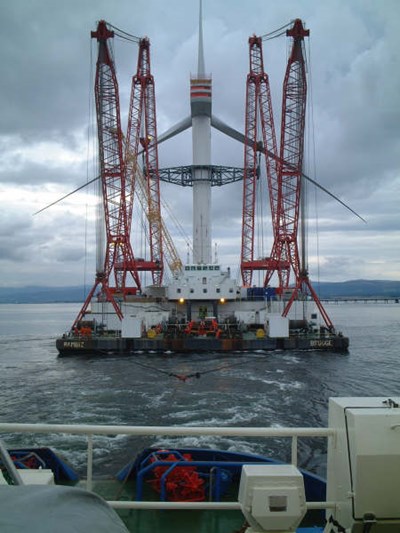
[{"x": 272, "y": 497}]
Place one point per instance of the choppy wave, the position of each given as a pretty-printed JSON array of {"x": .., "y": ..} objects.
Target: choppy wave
[{"x": 277, "y": 389}]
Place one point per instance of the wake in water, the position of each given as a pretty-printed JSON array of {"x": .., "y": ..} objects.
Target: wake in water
[{"x": 260, "y": 389}]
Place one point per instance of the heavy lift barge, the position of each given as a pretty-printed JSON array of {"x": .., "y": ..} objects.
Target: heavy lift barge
[{"x": 202, "y": 309}]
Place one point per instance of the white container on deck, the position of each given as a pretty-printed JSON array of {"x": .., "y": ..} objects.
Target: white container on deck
[
  {"x": 364, "y": 461},
  {"x": 278, "y": 326},
  {"x": 36, "y": 476},
  {"x": 131, "y": 327}
]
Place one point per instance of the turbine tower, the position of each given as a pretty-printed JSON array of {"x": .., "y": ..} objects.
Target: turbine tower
[
  {"x": 200, "y": 106},
  {"x": 201, "y": 174}
]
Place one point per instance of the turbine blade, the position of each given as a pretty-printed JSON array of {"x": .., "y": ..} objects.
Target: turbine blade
[
  {"x": 234, "y": 134},
  {"x": 174, "y": 130},
  {"x": 66, "y": 196},
  {"x": 333, "y": 196}
]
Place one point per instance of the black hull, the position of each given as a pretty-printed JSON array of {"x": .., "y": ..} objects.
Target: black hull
[{"x": 97, "y": 346}]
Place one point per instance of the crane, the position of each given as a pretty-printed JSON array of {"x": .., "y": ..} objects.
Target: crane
[
  {"x": 290, "y": 198},
  {"x": 284, "y": 171},
  {"x": 290, "y": 165},
  {"x": 258, "y": 113},
  {"x": 142, "y": 116},
  {"x": 171, "y": 255},
  {"x": 118, "y": 171},
  {"x": 112, "y": 176}
]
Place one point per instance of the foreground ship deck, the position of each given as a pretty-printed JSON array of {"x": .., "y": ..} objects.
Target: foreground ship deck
[{"x": 168, "y": 490}]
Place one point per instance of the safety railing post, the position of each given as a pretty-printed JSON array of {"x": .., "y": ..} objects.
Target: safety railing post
[
  {"x": 294, "y": 450},
  {"x": 89, "y": 472}
]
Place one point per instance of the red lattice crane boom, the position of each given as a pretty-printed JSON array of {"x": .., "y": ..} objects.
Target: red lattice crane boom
[
  {"x": 117, "y": 174},
  {"x": 284, "y": 171},
  {"x": 142, "y": 119},
  {"x": 112, "y": 171},
  {"x": 291, "y": 154},
  {"x": 118, "y": 249},
  {"x": 258, "y": 113},
  {"x": 286, "y": 247}
]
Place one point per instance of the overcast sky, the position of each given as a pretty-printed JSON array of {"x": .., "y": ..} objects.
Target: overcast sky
[{"x": 47, "y": 141}]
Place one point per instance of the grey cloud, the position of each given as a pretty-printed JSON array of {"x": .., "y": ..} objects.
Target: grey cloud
[{"x": 47, "y": 95}]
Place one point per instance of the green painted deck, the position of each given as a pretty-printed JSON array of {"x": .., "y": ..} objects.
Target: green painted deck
[
  {"x": 167, "y": 521},
  {"x": 181, "y": 521}
]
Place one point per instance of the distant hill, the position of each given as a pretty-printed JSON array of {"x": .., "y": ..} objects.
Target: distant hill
[
  {"x": 351, "y": 289},
  {"x": 359, "y": 288},
  {"x": 23, "y": 295}
]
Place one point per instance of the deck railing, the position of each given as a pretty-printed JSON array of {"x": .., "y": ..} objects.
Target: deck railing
[{"x": 184, "y": 431}]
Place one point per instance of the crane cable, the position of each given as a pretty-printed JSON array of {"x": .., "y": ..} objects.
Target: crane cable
[
  {"x": 313, "y": 158},
  {"x": 261, "y": 247},
  {"x": 124, "y": 35},
  {"x": 276, "y": 33},
  {"x": 177, "y": 224}
]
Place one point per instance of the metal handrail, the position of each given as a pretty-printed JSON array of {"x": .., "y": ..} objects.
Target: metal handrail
[
  {"x": 91, "y": 430},
  {"x": 228, "y": 431}
]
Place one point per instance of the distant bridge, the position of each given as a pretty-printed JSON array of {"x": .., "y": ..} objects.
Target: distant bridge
[{"x": 356, "y": 299}]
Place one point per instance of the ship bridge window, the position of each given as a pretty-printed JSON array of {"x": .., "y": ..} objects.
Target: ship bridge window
[
  {"x": 199, "y": 268},
  {"x": 192, "y": 268},
  {"x": 211, "y": 267},
  {"x": 187, "y": 268},
  {"x": 205, "y": 267},
  {"x": 216, "y": 267},
  {"x": 204, "y": 281}
]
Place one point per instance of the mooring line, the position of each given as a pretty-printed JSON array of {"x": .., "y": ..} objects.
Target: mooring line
[{"x": 197, "y": 374}]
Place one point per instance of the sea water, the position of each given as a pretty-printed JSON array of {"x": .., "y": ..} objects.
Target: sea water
[{"x": 252, "y": 389}]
